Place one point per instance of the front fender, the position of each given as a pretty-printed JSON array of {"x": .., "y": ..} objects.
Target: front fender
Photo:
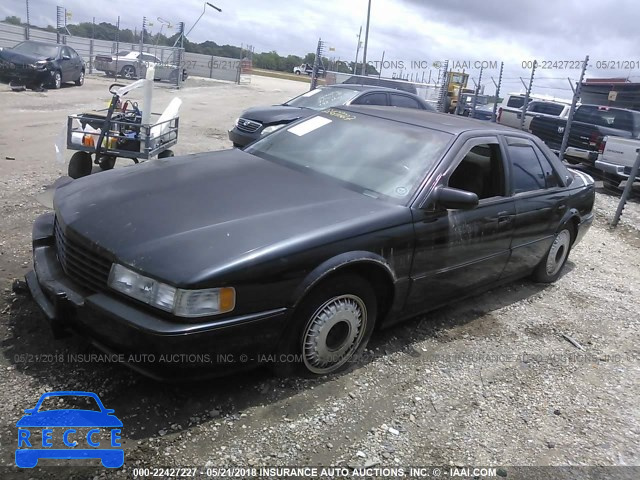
[{"x": 337, "y": 263}]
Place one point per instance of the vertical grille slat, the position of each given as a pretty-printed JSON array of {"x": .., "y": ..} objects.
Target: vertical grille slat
[{"x": 82, "y": 265}]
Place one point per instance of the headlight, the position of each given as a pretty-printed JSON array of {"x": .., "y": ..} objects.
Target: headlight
[
  {"x": 180, "y": 302},
  {"x": 271, "y": 129}
]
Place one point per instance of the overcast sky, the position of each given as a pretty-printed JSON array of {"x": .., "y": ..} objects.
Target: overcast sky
[{"x": 512, "y": 31}]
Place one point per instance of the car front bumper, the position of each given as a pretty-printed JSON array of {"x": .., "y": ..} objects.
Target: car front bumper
[
  {"x": 238, "y": 137},
  {"x": 161, "y": 348},
  {"x": 26, "y": 76}
]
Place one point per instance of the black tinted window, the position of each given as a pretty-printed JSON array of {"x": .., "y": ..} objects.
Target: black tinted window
[
  {"x": 547, "y": 108},
  {"x": 527, "y": 171},
  {"x": 404, "y": 101},
  {"x": 372, "y": 99},
  {"x": 515, "y": 102},
  {"x": 550, "y": 175}
]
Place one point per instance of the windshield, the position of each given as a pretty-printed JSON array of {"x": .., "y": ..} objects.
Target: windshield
[
  {"x": 322, "y": 98},
  {"x": 123, "y": 53},
  {"x": 37, "y": 49},
  {"x": 380, "y": 158}
]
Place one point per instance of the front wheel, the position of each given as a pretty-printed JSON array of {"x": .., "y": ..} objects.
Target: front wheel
[
  {"x": 549, "y": 268},
  {"x": 128, "y": 71},
  {"x": 80, "y": 165},
  {"x": 107, "y": 162},
  {"x": 332, "y": 326},
  {"x": 56, "y": 81}
]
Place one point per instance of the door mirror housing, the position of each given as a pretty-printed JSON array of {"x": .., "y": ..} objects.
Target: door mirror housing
[
  {"x": 455, "y": 199},
  {"x": 66, "y": 57}
]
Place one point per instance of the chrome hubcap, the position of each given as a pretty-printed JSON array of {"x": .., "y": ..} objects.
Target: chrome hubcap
[
  {"x": 333, "y": 333},
  {"x": 558, "y": 252},
  {"x": 128, "y": 72}
]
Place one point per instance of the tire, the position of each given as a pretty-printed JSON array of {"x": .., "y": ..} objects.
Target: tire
[
  {"x": 80, "y": 165},
  {"x": 551, "y": 265},
  {"x": 106, "y": 162},
  {"x": 128, "y": 71},
  {"x": 237, "y": 145},
  {"x": 166, "y": 154},
  {"x": 57, "y": 80},
  {"x": 80, "y": 80},
  {"x": 297, "y": 72},
  {"x": 610, "y": 182},
  {"x": 330, "y": 327}
]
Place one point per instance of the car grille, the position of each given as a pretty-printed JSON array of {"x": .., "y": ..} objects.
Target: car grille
[
  {"x": 248, "y": 126},
  {"x": 79, "y": 263}
]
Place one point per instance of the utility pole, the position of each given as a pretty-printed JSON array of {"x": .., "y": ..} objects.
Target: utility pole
[
  {"x": 28, "y": 22},
  {"x": 366, "y": 43},
  {"x": 355, "y": 65}
]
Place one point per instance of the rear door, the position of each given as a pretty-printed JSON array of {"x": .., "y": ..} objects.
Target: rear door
[{"x": 540, "y": 203}]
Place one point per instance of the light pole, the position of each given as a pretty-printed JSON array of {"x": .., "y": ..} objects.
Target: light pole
[
  {"x": 366, "y": 42},
  {"x": 355, "y": 65},
  {"x": 204, "y": 9}
]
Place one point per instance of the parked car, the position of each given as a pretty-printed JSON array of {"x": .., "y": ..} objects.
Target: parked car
[
  {"x": 256, "y": 122},
  {"x": 39, "y": 64},
  {"x": 591, "y": 124},
  {"x": 132, "y": 64},
  {"x": 510, "y": 110},
  {"x": 382, "y": 82},
  {"x": 615, "y": 159},
  {"x": 302, "y": 243},
  {"x": 307, "y": 69}
]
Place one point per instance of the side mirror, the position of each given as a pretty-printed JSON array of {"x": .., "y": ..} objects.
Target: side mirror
[
  {"x": 455, "y": 199},
  {"x": 66, "y": 57}
]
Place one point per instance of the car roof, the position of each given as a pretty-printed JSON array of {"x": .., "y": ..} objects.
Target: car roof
[
  {"x": 455, "y": 124},
  {"x": 367, "y": 88}
]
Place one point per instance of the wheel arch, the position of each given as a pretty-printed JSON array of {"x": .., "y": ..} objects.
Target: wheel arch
[
  {"x": 371, "y": 267},
  {"x": 572, "y": 218}
]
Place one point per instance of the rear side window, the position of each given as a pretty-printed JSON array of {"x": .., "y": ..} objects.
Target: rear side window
[
  {"x": 527, "y": 171},
  {"x": 550, "y": 175},
  {"x": 372, "y": 99},
  {"x": 404, "y": 102},
  {"x": 515, "y": 102}
]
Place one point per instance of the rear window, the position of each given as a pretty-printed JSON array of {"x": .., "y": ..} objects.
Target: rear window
[
  {"x": 547, "y": 108},
  {"x": 605, "y": 117},
  {"x": 515, "y": 102}
]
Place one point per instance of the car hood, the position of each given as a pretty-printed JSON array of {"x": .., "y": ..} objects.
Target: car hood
[
  {"x": 20, "y": 58},
  {"x": 276, "y": 114},
  {"x": 204, "y": 217},
  {"x": 69, "y": 418}
]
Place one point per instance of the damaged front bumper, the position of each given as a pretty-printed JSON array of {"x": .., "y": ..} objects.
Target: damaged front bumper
[{"x": 115, "y": 325}]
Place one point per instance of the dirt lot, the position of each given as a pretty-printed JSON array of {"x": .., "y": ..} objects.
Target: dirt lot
[{"x": 489, "y": 381}]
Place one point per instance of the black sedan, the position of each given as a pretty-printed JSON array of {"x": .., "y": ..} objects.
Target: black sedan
[
  {"x": 39, "y": 64},
  {"x": 291, "y": 251},
  {"x": 256, "y": 122}
]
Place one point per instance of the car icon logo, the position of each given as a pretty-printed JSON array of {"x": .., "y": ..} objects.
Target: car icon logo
[
  {"x": 69, "y": 433},
  {"x": 560, "y": 129}
]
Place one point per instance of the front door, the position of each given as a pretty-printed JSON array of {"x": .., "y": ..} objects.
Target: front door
[{"x": 458, "y": 251}]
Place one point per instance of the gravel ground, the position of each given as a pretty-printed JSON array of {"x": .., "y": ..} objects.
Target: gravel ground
[{"x": 490, "y": 380}]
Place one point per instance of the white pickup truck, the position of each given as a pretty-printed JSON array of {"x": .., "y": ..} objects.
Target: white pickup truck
[
  {"x": 616, "y": 159},
  {"x": 510, "y": 110}
]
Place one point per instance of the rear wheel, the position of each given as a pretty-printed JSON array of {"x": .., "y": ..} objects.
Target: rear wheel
[
  {"x": 331, "y": 327},
  {"x": 549, "y": 268},
  {"x": 107, "y": 162},
  {"x": 80, "y": 165},
  {"x": 610, "y": 182}
]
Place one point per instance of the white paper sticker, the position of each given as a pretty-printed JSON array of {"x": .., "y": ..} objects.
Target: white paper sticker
[
  {"x": 311, "y": 93},
  {"x": 309, "y": 126}
]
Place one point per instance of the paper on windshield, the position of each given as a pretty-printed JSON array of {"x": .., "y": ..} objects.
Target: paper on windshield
[
  {"x": 312, "y": 92},
  {"x": 309, "y": 126}
]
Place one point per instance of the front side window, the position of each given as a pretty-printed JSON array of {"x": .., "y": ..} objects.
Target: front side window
[
  {"x": 377, "y": 157},
  {"x": 372, "y": 99},
  {"x": 480, "y": 171},
  {"x": 404, "y": 102}
]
